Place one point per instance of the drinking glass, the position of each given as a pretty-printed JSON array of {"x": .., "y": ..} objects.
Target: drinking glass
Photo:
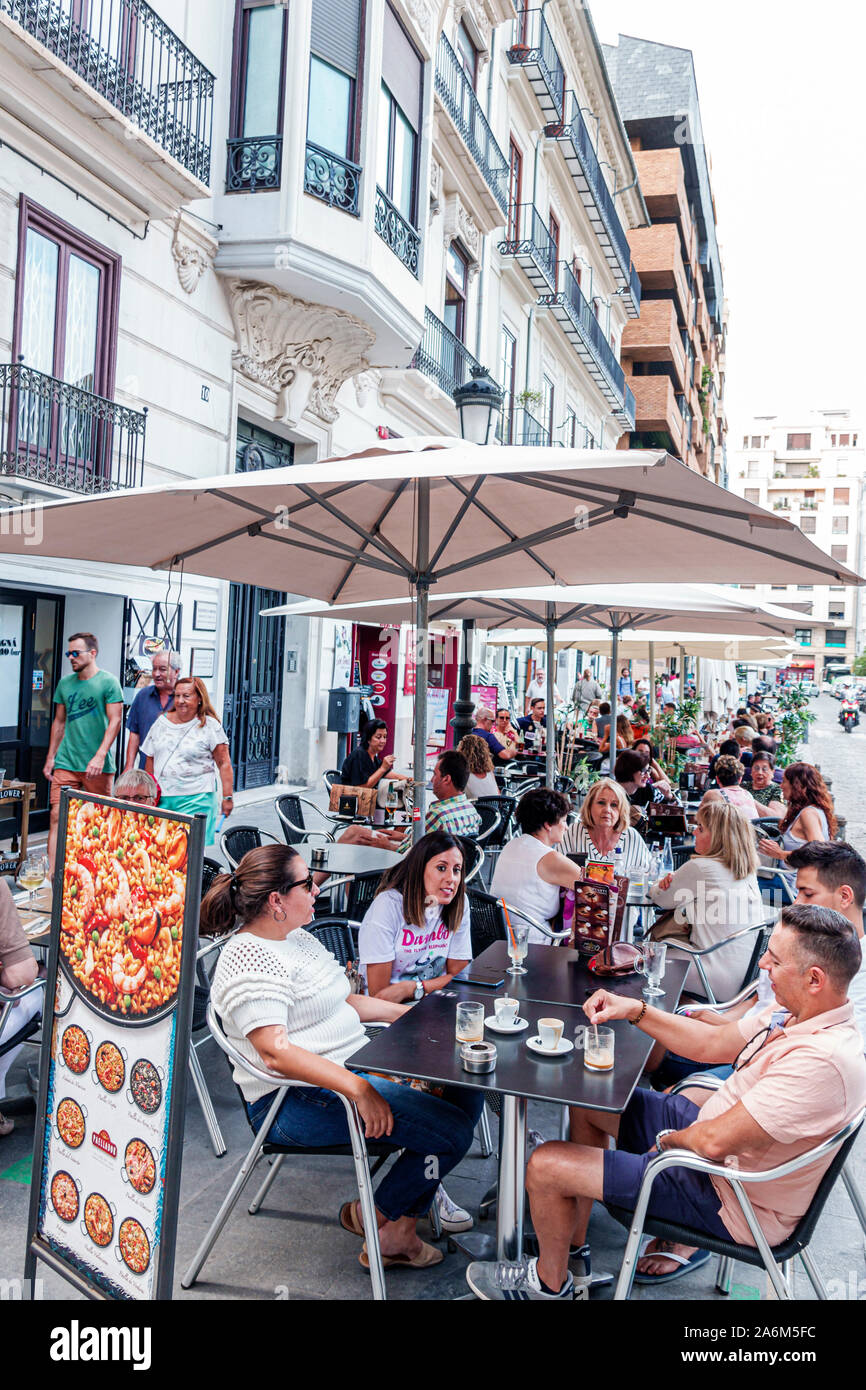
[
  {"x": 470, "y": 1023},
  {"x": 518, "y": 945},
  {"x": 32, "y": 875},
  {"x": 598, "y": 1049},
  {"x": 653, "y": 966}
]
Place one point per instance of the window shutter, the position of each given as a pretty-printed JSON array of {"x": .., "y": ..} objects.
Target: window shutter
[
  {"x": 335, "y": 33},
  {"x": 401, "y": 69}
]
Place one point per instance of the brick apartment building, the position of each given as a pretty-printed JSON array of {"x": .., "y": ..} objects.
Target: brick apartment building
[{"x": 673, "y": 355}]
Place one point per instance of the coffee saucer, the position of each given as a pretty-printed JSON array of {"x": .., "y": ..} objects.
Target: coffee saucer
[
  {"x": 534, "y": 1045},
  {"x": 495, "y": 1026}
]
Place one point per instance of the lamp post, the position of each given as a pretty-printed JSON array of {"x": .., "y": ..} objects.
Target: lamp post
[{"x": 479, "y": 407}]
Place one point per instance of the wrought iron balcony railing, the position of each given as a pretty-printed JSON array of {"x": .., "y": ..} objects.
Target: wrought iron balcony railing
[
  {"x": 529, "y": 241},
  {"x": 519, "y": 427},
  {"x": 573, "y": 134},
  {"x": 126, "y": 53},
  {"x": 396, "y": 232},
  {"x": 533, "y": 49},
  {"x": 584, "y": 331},
  {"x": 55, "y": 433},
  {"x": 335, "y": 181},
  {"x": 455, "y": 92},
  {"x": 442, "y": 356},
  {"x": 254, "y": 164}
]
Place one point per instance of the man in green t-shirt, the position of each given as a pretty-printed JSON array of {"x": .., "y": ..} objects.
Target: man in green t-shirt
[{"x": 88, "y": 706}]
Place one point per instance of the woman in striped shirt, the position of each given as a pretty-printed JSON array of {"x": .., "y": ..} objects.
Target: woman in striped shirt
[{"x": 603, "y": 831}]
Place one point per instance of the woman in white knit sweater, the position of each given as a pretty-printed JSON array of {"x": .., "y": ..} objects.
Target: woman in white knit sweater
[
  {"x": 284, "y": 1002},
  {"x": 716, "y": 892}
]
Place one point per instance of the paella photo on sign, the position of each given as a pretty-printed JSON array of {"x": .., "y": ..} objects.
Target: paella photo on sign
[{"x": 124, "y": 889}]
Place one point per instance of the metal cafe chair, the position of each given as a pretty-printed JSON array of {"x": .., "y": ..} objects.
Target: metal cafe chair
[
  {"x": 357, "y": 1148},
  {"x": 777, "y": 1260},
  {"x": 762, "y": 933},
  {"x": 290, "y": 814}
]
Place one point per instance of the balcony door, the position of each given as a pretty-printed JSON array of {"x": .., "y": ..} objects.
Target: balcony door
[
  {"x": 258, "y": 92},
  {"x": 65, "y": 329}
]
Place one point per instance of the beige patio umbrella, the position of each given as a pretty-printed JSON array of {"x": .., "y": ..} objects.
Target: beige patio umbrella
[{"x": 407, "y": 515}]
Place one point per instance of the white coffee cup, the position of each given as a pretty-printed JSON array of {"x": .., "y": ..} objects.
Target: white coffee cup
[
  {"x": 550, "y": 1032},
  {"x": 506, "y": 1010}
]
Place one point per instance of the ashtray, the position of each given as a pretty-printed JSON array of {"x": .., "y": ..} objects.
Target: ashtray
[{"x": 478, "y": 1057}]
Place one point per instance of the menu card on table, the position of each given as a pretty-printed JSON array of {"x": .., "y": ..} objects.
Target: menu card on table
[{"x": 115, "y": 1045}]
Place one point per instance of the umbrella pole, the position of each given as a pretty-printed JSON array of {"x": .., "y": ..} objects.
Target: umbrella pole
[
  {"x": 614, "y": 690},
  {"x": 682, "y": 674},
  {"x": 550, "y": 624},
  {"x": 652, "y": 689},
  {"x": 422, "y": 601}
]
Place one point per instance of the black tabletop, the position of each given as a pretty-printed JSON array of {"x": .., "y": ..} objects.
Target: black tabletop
[
  {"x": 555, "y": 973},
  {"x": 423, "y": 1044}
]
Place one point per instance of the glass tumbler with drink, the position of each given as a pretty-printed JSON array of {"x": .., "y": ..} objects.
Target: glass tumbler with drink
[
  {"x": 598, "y": 1049},
  {"x": 518, "y": 946},
  {"x": 470, "y": 1023}
]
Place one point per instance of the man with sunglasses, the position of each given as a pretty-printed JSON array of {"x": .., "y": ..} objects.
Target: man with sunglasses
[
  {"x": 798, "y": 1077},
  {"x": 88, "y": 706}
]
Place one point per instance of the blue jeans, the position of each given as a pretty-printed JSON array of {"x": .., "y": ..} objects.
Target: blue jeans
[{"x": 432, "y": 1133}]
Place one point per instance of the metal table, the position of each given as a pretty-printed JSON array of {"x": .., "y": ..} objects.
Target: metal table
[
  {"x": 422, "y": 1044},
  {"x": 350, "y": 859}
]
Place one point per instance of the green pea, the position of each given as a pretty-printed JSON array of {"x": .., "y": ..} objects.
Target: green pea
[
  {"x": 132, "y": 837},
  {"x": 126, "y": 929},
  {"x": 94, "y": 832},
  {"x": 127, "y": 1002},
  {"x": 157, "y": 973},
  {"x": 151, "y": 820},
  {"x": 157, "y": 878},
  {"x": 120, "y": 854},
  {"x": 94, "y": 937},
  {"x": 174, "y": 933},
  {"x": 73, "y": 890},
  {"x": 79, "y": 954}
]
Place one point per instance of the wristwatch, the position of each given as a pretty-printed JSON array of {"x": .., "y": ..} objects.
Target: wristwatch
[
  {"x": 661, "y": 1134},
  {"x": 419, "y": 990}
]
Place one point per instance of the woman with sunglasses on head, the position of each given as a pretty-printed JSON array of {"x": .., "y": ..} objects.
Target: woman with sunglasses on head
[{"x": 284, "y": 1003}]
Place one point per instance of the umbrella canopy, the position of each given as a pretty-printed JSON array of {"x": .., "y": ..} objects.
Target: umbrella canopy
[
  {"x": 412, "y": 514},
  {"x": 633, "y": 645}
]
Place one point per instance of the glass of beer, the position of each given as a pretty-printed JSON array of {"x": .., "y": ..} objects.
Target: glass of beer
[{"x": 33, "y": 874}]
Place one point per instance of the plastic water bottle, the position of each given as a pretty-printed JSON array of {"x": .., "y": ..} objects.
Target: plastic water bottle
[{"x": 667, "y": 859}]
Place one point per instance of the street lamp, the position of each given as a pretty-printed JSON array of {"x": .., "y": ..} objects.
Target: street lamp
[{"x": 479, "y": 407}]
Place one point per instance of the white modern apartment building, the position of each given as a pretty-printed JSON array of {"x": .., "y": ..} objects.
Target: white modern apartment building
[
  {"x": 237, "y": 235},
  {"x": 811, "y": 469}
]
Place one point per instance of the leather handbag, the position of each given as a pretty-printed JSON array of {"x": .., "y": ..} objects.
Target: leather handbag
[
  {"x": 616, "y": 960},
  {"x": 365, "y": 799}
]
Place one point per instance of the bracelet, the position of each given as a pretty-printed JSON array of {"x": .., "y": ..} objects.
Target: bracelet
[
  {"x": 661, "y": 1134},
  {"x": 635, "y": 1021}
]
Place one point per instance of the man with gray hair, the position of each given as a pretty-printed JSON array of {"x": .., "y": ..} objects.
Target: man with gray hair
[
  {"x": 150, "y": 703},
  {"x": 484, "y": 718}
]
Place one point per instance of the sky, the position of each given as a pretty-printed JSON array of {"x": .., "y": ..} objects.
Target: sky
[{"x": 781, "y": 89}]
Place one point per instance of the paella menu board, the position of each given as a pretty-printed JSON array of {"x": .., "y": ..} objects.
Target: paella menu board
[{"x": 114, "y": 1055}]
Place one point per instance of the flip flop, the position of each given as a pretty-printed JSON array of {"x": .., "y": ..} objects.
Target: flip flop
[
  {"x": 694, "y": 1261},
  {"x": 428, "y": 1255},
  {"x": 350, "y": 1221}
]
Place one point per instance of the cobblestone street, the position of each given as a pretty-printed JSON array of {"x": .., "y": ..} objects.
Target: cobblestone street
[{"x": 841, "y": 758}]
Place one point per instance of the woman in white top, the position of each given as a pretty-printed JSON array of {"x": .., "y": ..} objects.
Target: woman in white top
[
  {"x": 717, "y": 893},
  {"x": 530, "y": 870},
  {"x": 604, "y": 833},
  {"x": 481, "y": 779},
  {"x": 284, "y": 1003},
  {"x": 184, "y": 750}
]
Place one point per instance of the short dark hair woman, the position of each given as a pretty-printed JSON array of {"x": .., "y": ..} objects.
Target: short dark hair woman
[
  {"x": 365, "y": 766},
  {"x": 530, "y": 870},
  {"x": 284, "y": 1003}
]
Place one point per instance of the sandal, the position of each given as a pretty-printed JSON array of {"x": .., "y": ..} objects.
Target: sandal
[
  {"x": 6, "y": 1125},
  {"x": 686, "y": 1265},
  {"x": 350, "y": 1220},
  {"x": 428, "y": 1255}
]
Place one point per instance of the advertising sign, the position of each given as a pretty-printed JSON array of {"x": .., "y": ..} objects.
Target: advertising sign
[
  {"x": 486, "y": 695},
  {"x": 116, "y": 1025}
]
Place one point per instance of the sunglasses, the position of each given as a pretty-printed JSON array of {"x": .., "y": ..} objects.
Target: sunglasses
[
  {"x": 305, "y": 883},
  {"x": 84, "y": 653}
]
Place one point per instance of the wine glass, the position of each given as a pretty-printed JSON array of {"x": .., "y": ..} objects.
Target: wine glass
[
  {"x": 33, "y": 873},
  {"x": 652, "y": 965},
  {"x": 518, "y": 946}
]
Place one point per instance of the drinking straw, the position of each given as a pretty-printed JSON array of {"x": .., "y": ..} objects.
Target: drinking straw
[
  {"x": 508, "y": 921},
  {"x": 595, "y": 1035}
]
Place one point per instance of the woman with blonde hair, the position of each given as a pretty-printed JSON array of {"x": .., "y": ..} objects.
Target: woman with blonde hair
[
  {"x": 184, "y": 750},
  {"x": 714, "y": 895},
  {"x": 481, "y": 779},
  {"x": 604, "y": 832}
]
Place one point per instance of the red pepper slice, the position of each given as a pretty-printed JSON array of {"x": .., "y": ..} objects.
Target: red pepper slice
[
  {"x": 98, "y": 922},
  {"x": 87, "y": 863},
  {"x": 138, "y": 951},
  {"x": 103, "y": 982}
]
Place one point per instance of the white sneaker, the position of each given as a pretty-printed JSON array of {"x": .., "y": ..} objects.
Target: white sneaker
[
  {"x": 452, "y": 1217},
  {"x": 492, "y": 1282}
]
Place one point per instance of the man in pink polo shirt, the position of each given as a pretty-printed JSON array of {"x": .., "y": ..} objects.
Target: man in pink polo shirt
[{"x": 799, "y": 1075}]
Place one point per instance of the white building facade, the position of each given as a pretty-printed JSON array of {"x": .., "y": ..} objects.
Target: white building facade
[
  {"x": 237, "y": 235},
  {"x": 811, "y": 470}
]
